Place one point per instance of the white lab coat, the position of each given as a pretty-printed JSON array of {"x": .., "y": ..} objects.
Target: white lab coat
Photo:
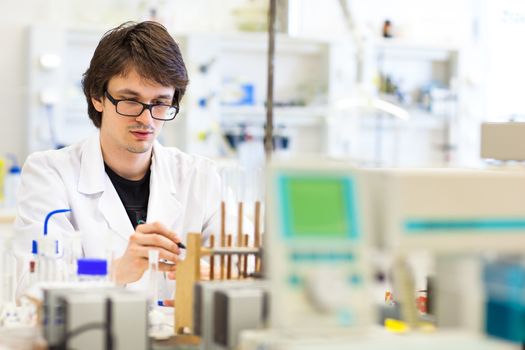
[{"x": 184, "y": 196}]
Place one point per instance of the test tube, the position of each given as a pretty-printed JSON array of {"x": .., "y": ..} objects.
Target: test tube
[
  {"x": 153, "y": 268},
  {"x": 46, "y": 270},
  {"x": 212, "y": 258},
  {"x": 240, "y": 235},
  {"x": 223, "y": 235},
  {"x": 230, "y": 184},
  {"x": 155, "y": 316},
  {"x": 33, "y": 267},
  {"x": 257, "y": 232},
  {"x": 245, "y": 268},
  {"x": 229, "y": 258},
  {"x": 72, "y": 252}
]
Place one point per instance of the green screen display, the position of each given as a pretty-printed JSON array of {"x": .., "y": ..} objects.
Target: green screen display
[{"x": 318, "y": 207}]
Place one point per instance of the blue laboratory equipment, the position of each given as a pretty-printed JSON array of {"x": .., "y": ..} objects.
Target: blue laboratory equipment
[{"x": 504, "y": 284}]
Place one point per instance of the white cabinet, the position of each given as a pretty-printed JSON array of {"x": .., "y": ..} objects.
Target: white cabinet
[{"x": 421, "y": 80}]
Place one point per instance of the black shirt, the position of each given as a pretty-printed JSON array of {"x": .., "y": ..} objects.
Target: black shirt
[{"x": 133, "y": 194}]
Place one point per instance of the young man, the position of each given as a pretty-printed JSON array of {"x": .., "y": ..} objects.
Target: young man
[{"x": 126, "y": 192}]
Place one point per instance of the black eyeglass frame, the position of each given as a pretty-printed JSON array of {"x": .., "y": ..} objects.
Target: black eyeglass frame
[{"x": 147, "y": 106}]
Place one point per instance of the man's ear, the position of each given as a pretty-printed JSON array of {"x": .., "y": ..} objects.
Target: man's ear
[{"x": 99, "y": 106}]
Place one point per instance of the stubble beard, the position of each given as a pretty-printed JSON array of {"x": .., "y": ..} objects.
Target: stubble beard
[{"x": 139, "y": 148}]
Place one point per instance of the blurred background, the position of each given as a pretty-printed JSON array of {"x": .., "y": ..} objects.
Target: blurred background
[{"x": 386, "y": 83}]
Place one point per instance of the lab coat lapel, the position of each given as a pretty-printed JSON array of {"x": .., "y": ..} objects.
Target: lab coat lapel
[
  {"x": 93, "y": 180},
  {"x": 113, "y": 211},
  {"x": 164, "y": 205}
]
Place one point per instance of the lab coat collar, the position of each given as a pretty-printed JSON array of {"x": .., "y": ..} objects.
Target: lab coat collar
[
  {"x": 92, "y": 178},
  {"x": 163, "y": 205}
]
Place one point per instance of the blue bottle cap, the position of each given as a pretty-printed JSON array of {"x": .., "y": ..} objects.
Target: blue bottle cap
[
  {"x": 93, "y": 267},
  {"x": 15, "y": 170},
  {"x": 34, "y": 247}
]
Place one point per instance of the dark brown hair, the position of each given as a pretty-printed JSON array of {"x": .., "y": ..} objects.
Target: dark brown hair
[{"x": 146, "y": 47}]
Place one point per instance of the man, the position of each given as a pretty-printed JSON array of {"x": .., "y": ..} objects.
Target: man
[{"x": 121, "y": 177}]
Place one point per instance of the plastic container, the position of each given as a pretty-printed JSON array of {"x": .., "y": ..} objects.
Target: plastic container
[{"x": 47, "y": 262}]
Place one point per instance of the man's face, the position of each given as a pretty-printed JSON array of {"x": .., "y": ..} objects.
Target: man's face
[{"x": 133, "y": 134}]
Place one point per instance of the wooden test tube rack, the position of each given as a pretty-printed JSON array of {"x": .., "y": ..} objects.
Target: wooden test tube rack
[{"x": 189, "y": 272}]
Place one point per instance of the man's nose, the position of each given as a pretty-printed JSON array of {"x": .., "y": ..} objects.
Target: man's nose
[{"x": 145, "y": 117}]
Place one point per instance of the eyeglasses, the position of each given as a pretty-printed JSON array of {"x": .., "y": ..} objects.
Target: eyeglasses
[{"x": 130, "y": 108}]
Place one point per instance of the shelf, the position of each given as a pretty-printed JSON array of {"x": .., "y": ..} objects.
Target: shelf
[
  {"x": 398, "y": 48},
  {"x": 419, "y": 119},
  {"x": 411, "y": 45},
  {"x": 282, "y": 115}
]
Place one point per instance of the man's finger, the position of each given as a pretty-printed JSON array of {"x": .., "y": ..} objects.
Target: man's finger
[
  {"x": 163, "y": 253},
  {"x": 170, "y": 268},
  {"x": 157, "y": 240},
  {"x": 158, "y": 228}
]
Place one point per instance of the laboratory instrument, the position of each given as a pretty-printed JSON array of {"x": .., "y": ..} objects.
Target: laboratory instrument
[
  {"x": 317, "y": 243},
  {"x": 205, "y": 323},
  {"x": 89, "y": 316},
  {"x": 236, "y": 310}
]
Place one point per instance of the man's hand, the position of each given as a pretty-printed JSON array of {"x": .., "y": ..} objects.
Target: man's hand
[{"x": 132, "y": 265}]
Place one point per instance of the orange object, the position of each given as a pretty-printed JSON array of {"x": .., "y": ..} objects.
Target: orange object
[{"x": 389, "y": 298}]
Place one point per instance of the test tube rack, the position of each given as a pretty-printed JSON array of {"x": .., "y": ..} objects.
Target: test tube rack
[{"x": 189, "y": 270}]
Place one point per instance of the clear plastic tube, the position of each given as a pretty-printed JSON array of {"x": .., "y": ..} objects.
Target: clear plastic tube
[
  {"x": 72, "y": 252},
  {"x": 153, "y": 269},
  {"x": 47, "y": 269}
]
